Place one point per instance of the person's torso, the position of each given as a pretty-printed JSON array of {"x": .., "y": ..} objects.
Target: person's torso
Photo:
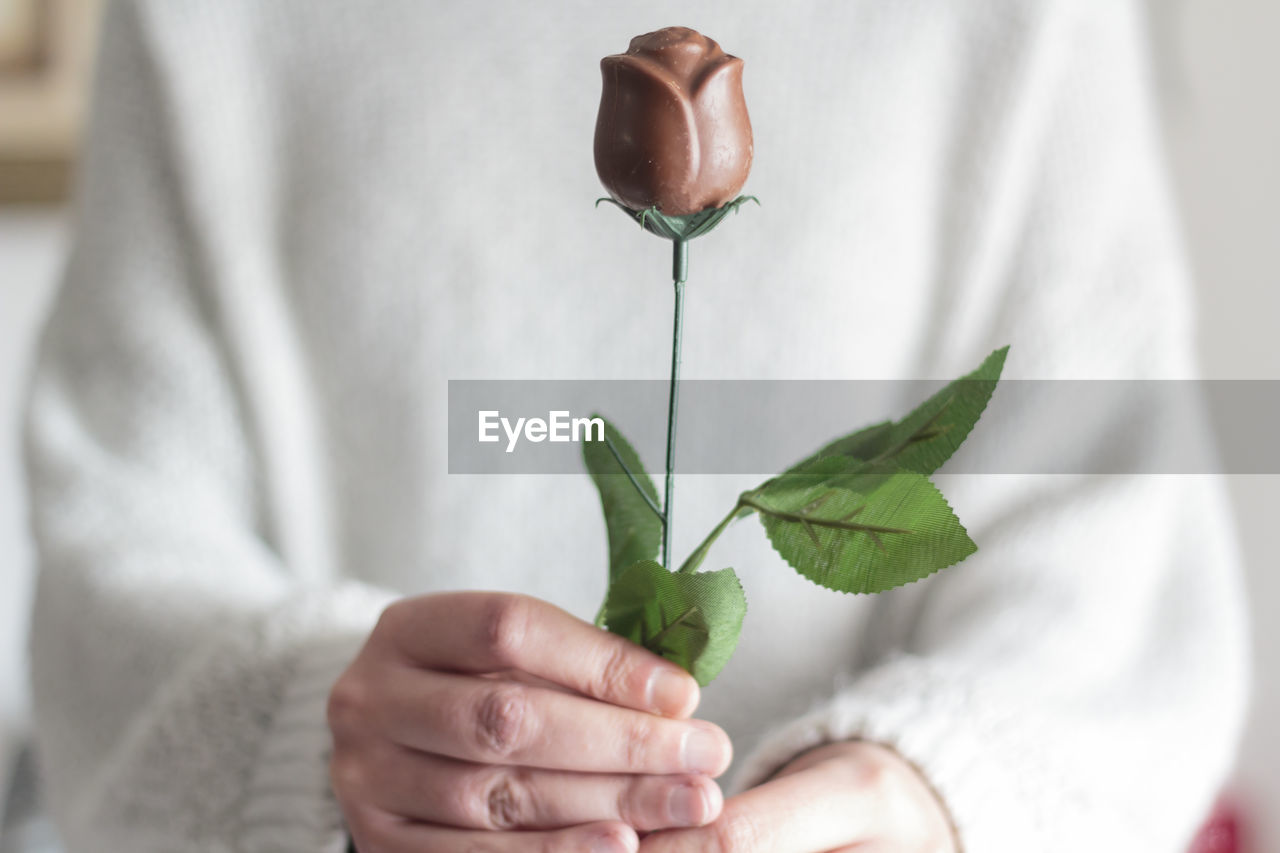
[{"x": 425, "y": 186}]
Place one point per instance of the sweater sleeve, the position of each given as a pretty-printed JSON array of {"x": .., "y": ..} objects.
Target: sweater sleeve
[
  {"x": 1080, "y": 683},
  {"x": 181, "y": 657}
]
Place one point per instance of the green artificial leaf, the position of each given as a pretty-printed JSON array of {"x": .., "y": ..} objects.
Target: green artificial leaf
[
  {"x": 857, "y": 528},
  {"x": 927, "y": 437},
  {"x": 634, "y": 523},
  {"x": 692, "y": 620},
  {"x": 867, "y": 443}
]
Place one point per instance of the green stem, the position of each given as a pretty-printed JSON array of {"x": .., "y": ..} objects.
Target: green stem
[
  {"x": 700, "y": 553},
  {"x": 679, "y": 272}
]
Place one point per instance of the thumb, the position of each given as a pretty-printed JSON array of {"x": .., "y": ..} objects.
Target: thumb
[{"x": 821, "y": 808}]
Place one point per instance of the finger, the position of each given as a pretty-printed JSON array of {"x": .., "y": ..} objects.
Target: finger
[
  {"x": 444, "y": 791},
  {"x": 502, "y": 722},
  {"x": 526, "y": 678},
  {"x": 386, "y": 834},
  {"x": 482, "y": 632},
  {"x": 808, "y": 812}
]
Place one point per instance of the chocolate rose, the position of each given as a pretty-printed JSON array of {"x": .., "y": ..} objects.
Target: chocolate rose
[{"x": 673, "y": 130}]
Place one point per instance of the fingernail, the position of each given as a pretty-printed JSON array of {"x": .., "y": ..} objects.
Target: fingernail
[
  {"x": 703, "y": 751},
  {"x": 669, "y": 693},
  {"x": 687, "y": 805}
]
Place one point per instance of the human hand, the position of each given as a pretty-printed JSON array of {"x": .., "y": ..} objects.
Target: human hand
[
  {"x": 851, "y": 797},
  {"x": 500, "y": 719}
]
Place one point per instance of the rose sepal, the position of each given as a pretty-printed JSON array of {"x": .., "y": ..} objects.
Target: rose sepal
[{"x": 681, "y": 228}]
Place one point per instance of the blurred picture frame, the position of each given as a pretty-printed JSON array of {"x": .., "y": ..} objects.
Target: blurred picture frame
[{"x": 46, "y": 54}]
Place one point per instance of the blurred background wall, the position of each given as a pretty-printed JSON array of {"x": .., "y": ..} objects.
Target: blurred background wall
[
  {"x": 45, "y": 56},
  {"x": 1220, "y": 71}
]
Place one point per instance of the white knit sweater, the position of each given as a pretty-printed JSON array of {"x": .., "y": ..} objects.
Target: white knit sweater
[{"x": 298, "y": 219}]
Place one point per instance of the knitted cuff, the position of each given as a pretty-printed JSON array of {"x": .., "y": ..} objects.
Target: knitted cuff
[
  {"x": 937, "y": 724},
  {"x": 288, "y": 803}
]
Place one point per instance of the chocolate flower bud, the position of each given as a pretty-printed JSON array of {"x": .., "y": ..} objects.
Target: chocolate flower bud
[{"x": 673, "y": 130}]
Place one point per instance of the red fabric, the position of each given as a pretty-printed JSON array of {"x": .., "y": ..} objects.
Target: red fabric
[{"x": 1224, "y": 831}]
